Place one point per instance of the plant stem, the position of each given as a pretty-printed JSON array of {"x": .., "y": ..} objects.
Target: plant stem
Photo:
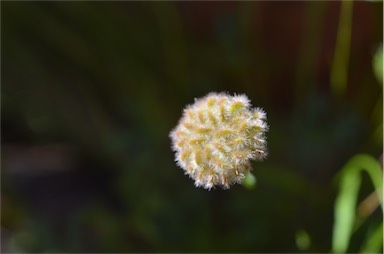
[{"x": 339, "y": 70}]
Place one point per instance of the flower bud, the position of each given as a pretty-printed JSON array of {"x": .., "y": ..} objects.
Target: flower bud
[{"x": 217, "y": 137}]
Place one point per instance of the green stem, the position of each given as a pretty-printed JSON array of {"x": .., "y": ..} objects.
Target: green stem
[{"x": 339, "y": 70}]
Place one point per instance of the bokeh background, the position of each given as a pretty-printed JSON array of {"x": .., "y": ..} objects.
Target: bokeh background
[{"x": 91, "y": 90}]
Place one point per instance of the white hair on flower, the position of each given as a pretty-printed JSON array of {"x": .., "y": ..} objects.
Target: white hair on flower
[{"x": 217, "y": 137}]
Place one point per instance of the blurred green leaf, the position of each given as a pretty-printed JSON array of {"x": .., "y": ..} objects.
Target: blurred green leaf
[
  {"x": 374, "y": 241},
  {"x": 345, "y": 204},
  {"x": 378, "y": 64}
]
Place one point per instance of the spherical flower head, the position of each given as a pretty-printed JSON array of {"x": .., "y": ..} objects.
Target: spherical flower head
[{"x": 217, "y": 137}]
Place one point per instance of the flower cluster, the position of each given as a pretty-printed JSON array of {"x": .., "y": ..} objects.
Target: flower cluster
[{"x": 217, "y": 137}]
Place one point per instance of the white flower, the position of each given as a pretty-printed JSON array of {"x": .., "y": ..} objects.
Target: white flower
[{"x": 217, "y": 137}]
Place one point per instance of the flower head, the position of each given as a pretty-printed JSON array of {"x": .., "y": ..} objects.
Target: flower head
[{"x": 217, "y": 137}]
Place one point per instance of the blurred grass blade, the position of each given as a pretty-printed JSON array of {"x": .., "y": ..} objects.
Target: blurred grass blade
[
  {"x": 374, "y": 241},
  {"x": 339, "y": 71},
  {"x": 378, "y": 64},
  {"x": 345, "y": 211},
  {"x": 345, "y": 204}
]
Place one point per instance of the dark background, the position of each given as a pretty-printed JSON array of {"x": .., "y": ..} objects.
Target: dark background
[{"x": 91, "y": 90}]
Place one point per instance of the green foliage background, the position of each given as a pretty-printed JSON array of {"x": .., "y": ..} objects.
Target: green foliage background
[{"x": 99, "y": 85}]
